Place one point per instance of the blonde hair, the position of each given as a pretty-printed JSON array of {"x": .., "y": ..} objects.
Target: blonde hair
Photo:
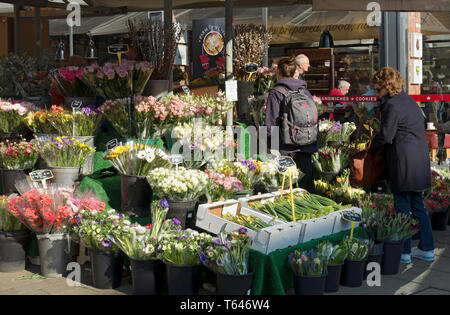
[{"x": 390, "y": 79}]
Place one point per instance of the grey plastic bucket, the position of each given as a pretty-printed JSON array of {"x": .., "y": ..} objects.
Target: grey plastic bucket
[
  {"x": 65, "y": 176},
  {"x": 88, "y": 166},
  {"x": 156, "y": 88},
  {"x": 9, "y": 179},
  {"x": 54, "y": 254},
  {"x": 12, "y": 250}
]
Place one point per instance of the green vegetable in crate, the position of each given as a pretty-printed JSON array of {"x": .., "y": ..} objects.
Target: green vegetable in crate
[{"x": 251, "y": 222}]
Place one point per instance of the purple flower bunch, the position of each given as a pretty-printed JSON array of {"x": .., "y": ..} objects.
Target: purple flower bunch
[{"x": 251, "y": 165}]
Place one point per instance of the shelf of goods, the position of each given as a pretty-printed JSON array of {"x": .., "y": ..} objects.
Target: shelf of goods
[
  {"x": 282, "y": 234},
  {"x": 436, "y": 68}
]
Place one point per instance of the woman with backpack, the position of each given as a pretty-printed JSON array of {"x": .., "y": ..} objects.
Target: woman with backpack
[{"x": 291, "y": 107}]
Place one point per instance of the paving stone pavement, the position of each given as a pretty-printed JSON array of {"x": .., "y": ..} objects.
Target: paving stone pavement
[{"x": 417, "y": 278}]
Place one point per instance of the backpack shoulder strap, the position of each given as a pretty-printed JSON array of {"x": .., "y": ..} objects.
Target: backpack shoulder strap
[{"x": 283, "y": 90}]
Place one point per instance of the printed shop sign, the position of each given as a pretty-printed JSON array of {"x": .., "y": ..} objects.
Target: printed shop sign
[{"x": 208, "y": 47}]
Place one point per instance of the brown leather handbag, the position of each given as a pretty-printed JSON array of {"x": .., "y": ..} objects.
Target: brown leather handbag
[{"x": 366, "y": 168}]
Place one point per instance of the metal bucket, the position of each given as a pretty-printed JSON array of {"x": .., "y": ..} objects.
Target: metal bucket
[{"x": 65, "y": 176}]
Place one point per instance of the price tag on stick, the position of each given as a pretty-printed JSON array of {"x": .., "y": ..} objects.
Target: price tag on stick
[
  {"x": 111, "y": 144},
  {"x": 351, "y": 216},
  {"x": 41, "y": 176},
  {"x": 176, "y": 159},
  {"x": 285, "y": 164},
  {"x": 118, "y": 49},
  {"x": 185, "y": 89}
]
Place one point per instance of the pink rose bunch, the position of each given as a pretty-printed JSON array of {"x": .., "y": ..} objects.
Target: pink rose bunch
[{"x": 222, "y": 186}]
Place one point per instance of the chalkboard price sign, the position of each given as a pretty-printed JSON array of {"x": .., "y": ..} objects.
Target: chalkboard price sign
[
  {"x": 41, "y": 175},
  {"x": 351, "y": 216},
  {"x": 54, "y": 71},
  {"x": 186, "y": 89},
  {"x": 251, "y": 67},
  {"x": 118, "y": 49},
  {"x": 76, "y": 104},
  {"x": 111, "y": 144},
  {"x": 176, "y": 159},
  {"x": 284, "y": 162}
]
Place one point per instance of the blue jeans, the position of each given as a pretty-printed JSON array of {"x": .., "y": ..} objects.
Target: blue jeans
[{"x": 412, "y": 203}]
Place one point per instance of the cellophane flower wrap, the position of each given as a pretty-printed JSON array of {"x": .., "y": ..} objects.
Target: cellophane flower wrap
[
  {"x": 201, "y": 143},
  {"x": 141, "y": 242},
  {"x": 94, "y": 228},
  {"x": 70, "y": 82},
  {"x": 8, "y": 222},
  {"x": 38, "y": 122},
  {"x": 266, "y": 79},
  {"x": 12, "y": 116},
  {"x": 310, "y": 263},
  {"x": 221, "y": 186},
  {"x": 178, "y": 185},
  {"x": 180, "y": 247},
  {"x": 137, "y": 159},
  {"x": 334, "y": 254},
  {"x": 248, "y": 172},
  {"x": 331, "y": 159},
  {"x": 113, "y": 81},
  {"x": 64, "y": 152},
  {"x": 117, "y": 113},
  {"x": 79, "y": 122},
  {"x": 18, "y": 155},
  {"x": 228, "y": 253},
  {"x": 45, "y": 211}
]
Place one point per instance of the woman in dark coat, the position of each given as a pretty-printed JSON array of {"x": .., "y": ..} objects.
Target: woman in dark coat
[{"x": 402, "y": 136}]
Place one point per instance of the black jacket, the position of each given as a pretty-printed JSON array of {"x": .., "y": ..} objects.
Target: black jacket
[
  {"x": 273, "y": 113},
  {"x": 403, "y": 137}
]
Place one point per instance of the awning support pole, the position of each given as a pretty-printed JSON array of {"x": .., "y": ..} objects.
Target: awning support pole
[
  {"x": 37, "y": 31},
  {"x": 17, "y": 29},
  {"x": 264, "y": 14},
  {"x": 229, "y": 50},
  {"x": 167, "y": 24}
]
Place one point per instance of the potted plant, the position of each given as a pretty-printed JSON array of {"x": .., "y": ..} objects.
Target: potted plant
[
  {"x": 250, "y": 40},
  {"x": 310, "y": 272},
  {"x": 335, "y": 256},
  {"x": 12, "y": 119},
  {"x": 140, "y": 244},
  {"x": 375, "y": 255},
  {"x": 71, "y": 84},
  {"x": 393, "y": 231},
  {"x": 94, "y": 231},
  {"x": 157, "y": 44},
  {"x": 353, "y": 269},
  {"x": 437, "y": 203},
  {"x": 135, "y": 161},
  {"x": 48, "y": 213},
  {"x": 227, "y": 255},
  {"x": 65, "y": 157},
  {"x": 16, "y": 159},
  {"x": 13, "y": 239},
  {"x": 182, "y": 187},
  {"x": 371, "y": 221},
  {"x": 179, "y": 251},
  {"x": 82, "y": 124}
]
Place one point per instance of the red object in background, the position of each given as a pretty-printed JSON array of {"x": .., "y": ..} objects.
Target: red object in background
[
  {"x": 220, "y": 62},
  {"x": 432, "y": 139},
  {"x": 57, "y": 97},
  {"x": 204, "y": 59},
  {"x": 447, "y": 141}
]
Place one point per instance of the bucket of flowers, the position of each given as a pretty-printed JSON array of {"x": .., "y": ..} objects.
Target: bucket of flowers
[
  {"x": 16, "y": 158},
  {"x": 12, "y": 119},
  {"x": 65, "y": 156},
  {"x": 221, "y": 186},
  {"x": 182, "y": 187},
  {"x": 179, "y": 250},
  {"x": 437, "y": 202},
  {"x": 134, "y": 161},
  {"x": 310, "y": 272},
  {"x": 330, "y": 161},
  {"x": 13, "y": 239},
  {"x": 228, "y": 256},
  {"x": 335, "y": 256},
  {"x": 93, "y": 230},
  {"x": 353, "y": 269},
  {"x": 140, "y": 244}
]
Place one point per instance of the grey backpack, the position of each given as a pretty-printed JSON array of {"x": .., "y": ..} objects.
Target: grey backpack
[{"x": 299, "y": 117}]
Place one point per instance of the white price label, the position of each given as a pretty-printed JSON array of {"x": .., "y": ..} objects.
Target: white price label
[
  {"x": 264, "y": 201},
  {"x": 231, "y": 209},
  {"x": 231, "y": 90}
]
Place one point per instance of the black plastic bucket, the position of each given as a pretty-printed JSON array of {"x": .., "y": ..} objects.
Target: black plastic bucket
[
  {"x": 182, "y": 280},
  {"x": 439, "y": 220},
  {"x": 309, "y": 285},
  {"x": 183, "y": 211},
  {"x": 143, "y": 277},
  {"x": 12, "y": 250},
  {"x": 137, "y": 196},
  {"x": 390, "y": 261},
  {"x": 371, "y": 259},
  {"x": 9, "y": 179},
  {"x": 234, "y": 285},
  {"x": 333, "y": 278},
  {"x": 352, "y": 273},
  {"x": 106, "y": 268}
]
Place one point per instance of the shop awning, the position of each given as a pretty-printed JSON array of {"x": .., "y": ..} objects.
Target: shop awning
[{"x": 386, "y": 5}]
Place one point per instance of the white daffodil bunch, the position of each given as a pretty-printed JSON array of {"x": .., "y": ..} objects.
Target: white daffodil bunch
[
  {"x": 178, "y": 184},
  {"x": 133, "y": 158}
]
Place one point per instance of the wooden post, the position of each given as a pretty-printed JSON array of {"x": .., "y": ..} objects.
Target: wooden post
[
  {"x": 37, "y": 32},
  {"x": 168, "y": 23},
  {"x": 17, "y": 29}
]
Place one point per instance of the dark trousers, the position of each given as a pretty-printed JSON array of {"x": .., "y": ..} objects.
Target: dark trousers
[
  {"x": 411, "y": 203},
  {"x": 304, "y": 164}
]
